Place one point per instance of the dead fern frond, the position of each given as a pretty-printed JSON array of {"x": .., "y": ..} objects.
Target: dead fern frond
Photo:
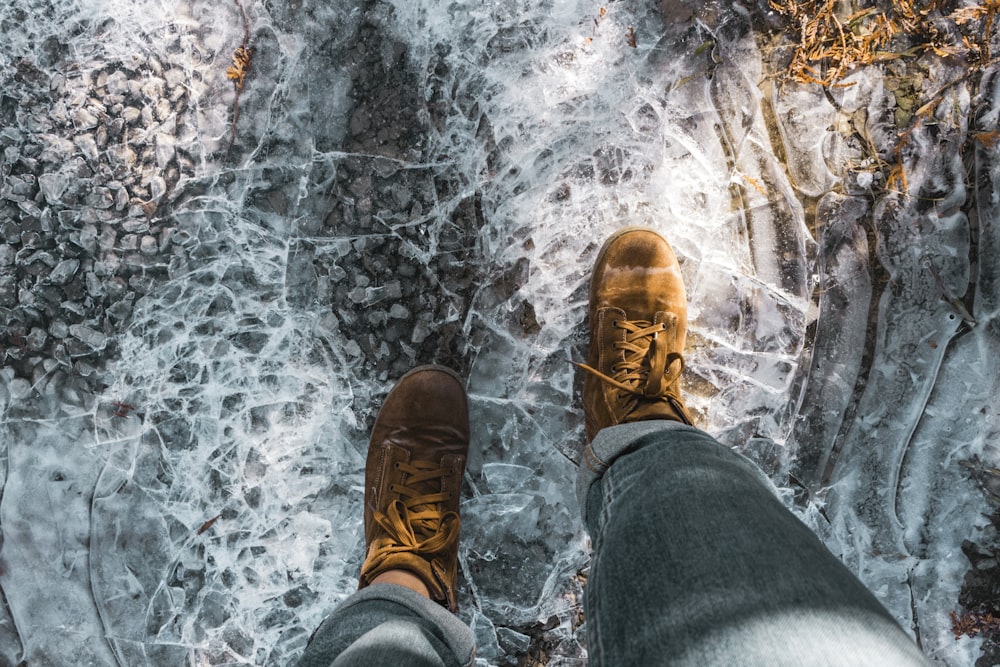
[
  {"x": 241, "y": 66},
  {"x": 896, "y": 181},
  {"x": 987, "y": 139},
  {"x": 630, "y": 37},
  {"x": 974, "y": 623},
  {"x": 833, "y": 45}
]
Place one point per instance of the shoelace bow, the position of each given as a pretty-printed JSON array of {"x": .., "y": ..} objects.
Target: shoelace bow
[
  {"x": 648, "y": 369},
  {"x": 414, "y": 522}
]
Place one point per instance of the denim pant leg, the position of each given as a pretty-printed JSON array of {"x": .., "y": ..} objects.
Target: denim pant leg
[
  {"x": 697, "y": 562},
  {"x": 386, "y": 624}
]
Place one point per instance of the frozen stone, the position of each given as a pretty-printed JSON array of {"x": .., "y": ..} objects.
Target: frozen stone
[
  {"x": 37, "y": 339},
  {"x": 30, "y": 239},
  {"x": 122, "y": 309},
  {"x": 420, "y": 332},
  {"x": 94, "y": 340},
  {"x": 56, "y": 149},
  {"x": 8, "y": 193},
  {"x": 100, "y": 198},
  {"x": 107, "y": 238},
  {"x": 157, "y": 188},
  {"x": 58, "y": 329},
  {"x": 131, "y": 115},
  {"x": 117, "y": 83},
  {"x": 87, "y": 146},
  {"x": 64, "y": 271},
  {"x": 18, "y": 188},
  {"x": 53, "y": 185},
  {"x": 153, "y": 88},
  {"x": 162, "y": 109},
  {"x": 11, "y": 232},
  {"x": 69, "y": 219},
  {"x": 26, "y": 297},
  {"x": 88, "y": 238},
  {"x": 174, "y": 77},
  {"x": 47, "y": 221},
  {"x": 41, "y": 256},
  {"x": 30, "y": 208},
  {"x": 74, "y": 307},
  {"x": 121, "y": 198},
  {"x": 393, "y": 290},
  {"x": 148, "y": 245},
  {"x": 165, "y": 149},
  {"x": 116, "y": 287},
  {"x": 135, "y": 225},
  {"x": 84, "y": 119},
  {"x": 358, "y": 295},
  {"x": 123, "y": 156},
  {"x": 8, "y": 290},
  {"x": 95, "y": 286}
]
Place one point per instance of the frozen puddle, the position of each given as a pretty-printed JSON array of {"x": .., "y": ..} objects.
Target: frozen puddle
[{"x": 196, "y": 339}]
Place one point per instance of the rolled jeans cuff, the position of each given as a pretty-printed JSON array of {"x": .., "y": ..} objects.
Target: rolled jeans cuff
[
  {"x": 354, "y": 617},
  {"x": 614, "y": 441}
]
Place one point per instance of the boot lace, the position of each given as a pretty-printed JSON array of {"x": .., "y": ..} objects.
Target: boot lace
[
  {"x": 646, "y": 371},
  {"x": 414, "y": 522}
]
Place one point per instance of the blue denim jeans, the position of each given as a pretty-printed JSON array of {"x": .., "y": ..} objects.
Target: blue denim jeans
[{"x": 696, "y": 562}]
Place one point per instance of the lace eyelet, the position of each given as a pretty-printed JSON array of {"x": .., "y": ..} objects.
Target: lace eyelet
[{"x": 396, "y": 465}]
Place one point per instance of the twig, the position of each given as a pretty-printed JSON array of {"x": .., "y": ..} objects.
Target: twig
[
  {"x": 959, "y": 307},
  {"x": 938, "y": 95}
]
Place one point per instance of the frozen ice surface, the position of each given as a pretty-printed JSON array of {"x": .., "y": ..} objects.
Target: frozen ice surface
[{"x": 195, "y": 339}]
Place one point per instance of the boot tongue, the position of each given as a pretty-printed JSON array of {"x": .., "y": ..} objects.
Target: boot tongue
[
  {"x": 661, "y": 409},
  {"x": 657, "y": 359},
  {"x": 658, "y": 383},
  {"x": 424, "y": 525}
]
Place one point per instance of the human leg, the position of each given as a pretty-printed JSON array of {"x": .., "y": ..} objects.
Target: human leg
[
  {"x": 416, "y": 459},
  {"x": 387, "y": 624},
  {"x": 696, "y": 561}
]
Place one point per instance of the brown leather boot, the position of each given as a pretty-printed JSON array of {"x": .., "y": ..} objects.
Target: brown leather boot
[
  {"x": 638, "y": 323},
  {"x": 416, "y": 460}
]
